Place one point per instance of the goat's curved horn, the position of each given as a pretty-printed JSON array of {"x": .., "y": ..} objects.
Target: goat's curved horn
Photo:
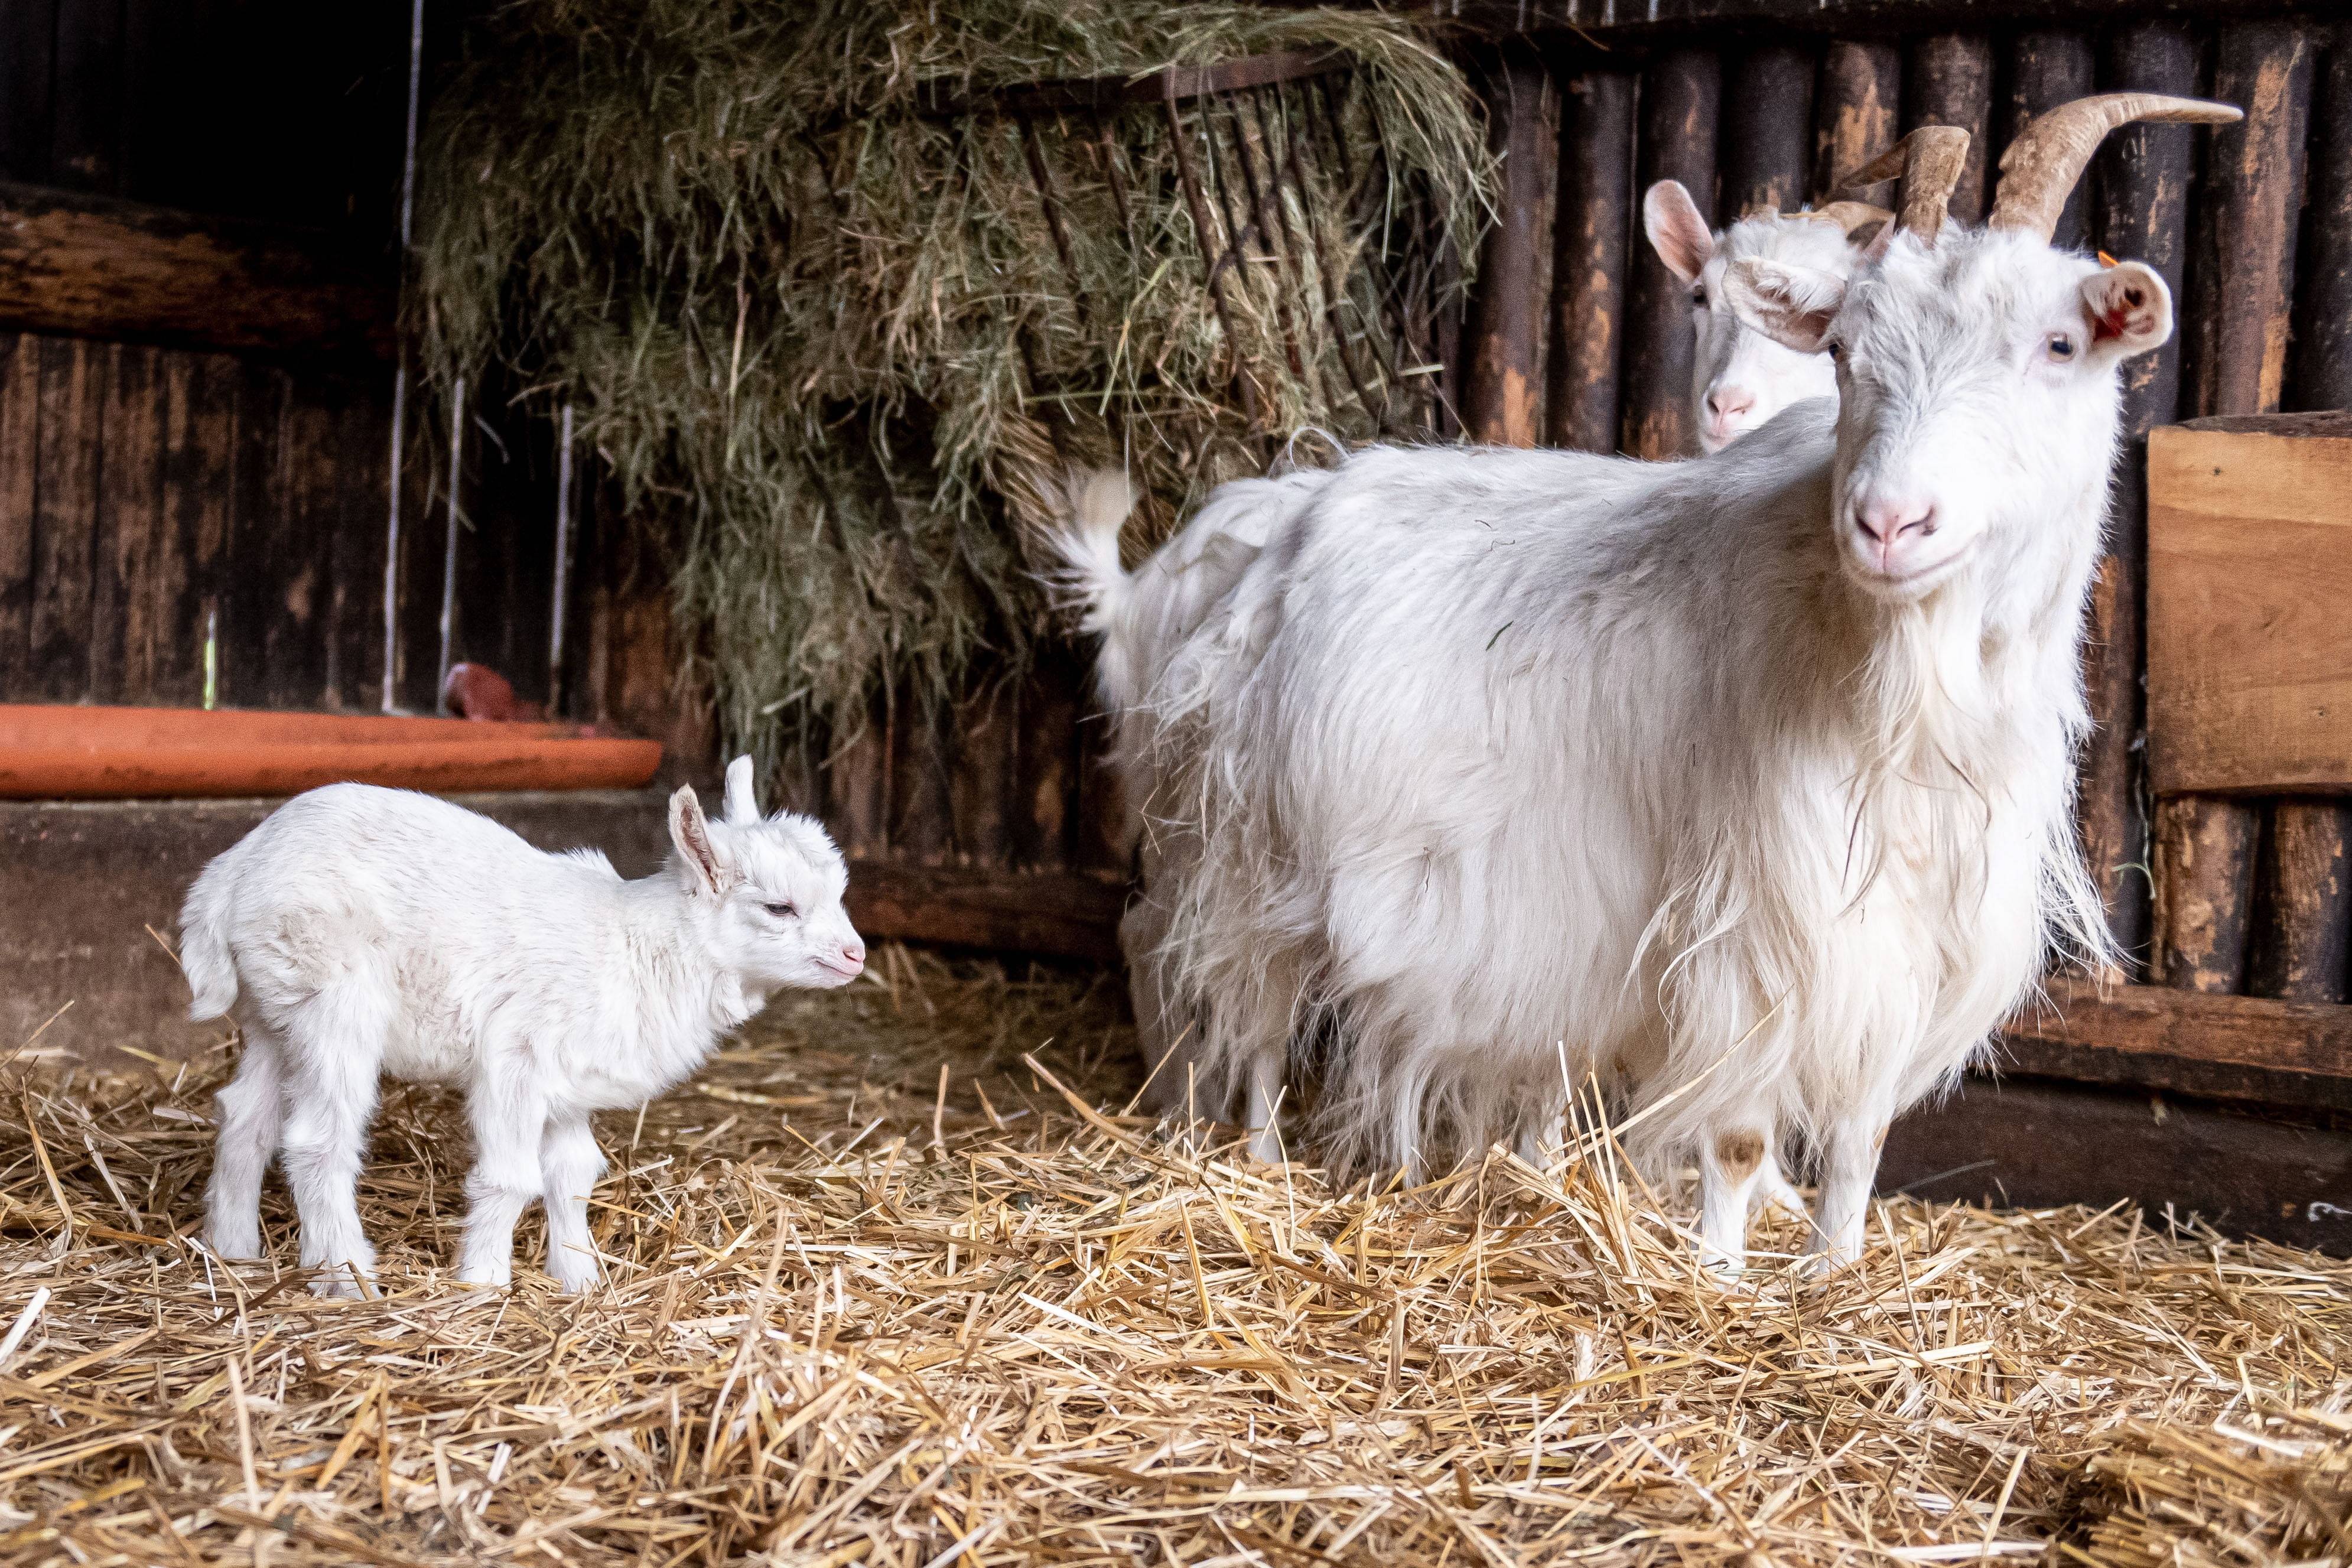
[
  {"x": 2039, "y": 171},
  {"x": 1930, "y": 161}
]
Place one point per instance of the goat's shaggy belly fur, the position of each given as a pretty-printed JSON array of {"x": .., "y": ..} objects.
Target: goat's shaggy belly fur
[{"x": 1518, "y": 765}]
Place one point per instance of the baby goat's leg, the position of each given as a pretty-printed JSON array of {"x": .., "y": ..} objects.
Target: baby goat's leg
[
  {"x": 252, "y": 1108},
  {"x": 1731, "y": 1162},
  {"x": 334, "y": 1051},
  {"x": 570, "y": 1165},
  {"x": 509, "y": 1128}
]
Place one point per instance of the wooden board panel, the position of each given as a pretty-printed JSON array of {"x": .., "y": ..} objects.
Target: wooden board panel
[
  {"x": 20, "y": 403},
  {"x": 67, "y": 445},
  {"x": 2250, "y": 568},
  {"x": 99, "y": 267}
]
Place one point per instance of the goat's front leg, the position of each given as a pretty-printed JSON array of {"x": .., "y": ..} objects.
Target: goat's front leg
[
  {"x": 510, "y": 1127},
  {"x": 1850, "y": 1151},
  {"x": 1731, "y": 1162},
  {"x": 570, "y": 1164}
]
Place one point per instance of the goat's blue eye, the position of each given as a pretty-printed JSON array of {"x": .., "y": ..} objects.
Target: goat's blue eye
[
  {"x": 2060, "y": 347},
  {"x": 1836, "y": 352},
  {"x": 782, "y": 911}
]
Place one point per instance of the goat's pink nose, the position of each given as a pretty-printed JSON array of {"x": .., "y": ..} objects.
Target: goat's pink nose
[
  {"x": 1885, "y": 522},
  {"x": 853, "y": 954},
  {"x": 1729, "y": 402}
]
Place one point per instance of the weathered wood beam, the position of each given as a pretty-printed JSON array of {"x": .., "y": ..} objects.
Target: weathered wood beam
[
  {"x": 1053, "y": 914},
  {"x": 1610, "y": 21},
  {"x": 95, "y": 268},
  {"x": 2154, "y": 1036}
]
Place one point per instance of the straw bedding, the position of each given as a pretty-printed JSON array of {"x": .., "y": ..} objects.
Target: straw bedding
[{"x": 882, "y": 1292}]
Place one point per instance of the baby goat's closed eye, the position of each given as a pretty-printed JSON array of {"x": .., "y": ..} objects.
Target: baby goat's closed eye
[{"x": 359, "y": 931}]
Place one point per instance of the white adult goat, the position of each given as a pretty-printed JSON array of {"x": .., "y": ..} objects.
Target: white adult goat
[
  {"x": 1740, "y": 377},
  {"x": 1745, "y": 782},
  {"x": 359, "y": 931}
]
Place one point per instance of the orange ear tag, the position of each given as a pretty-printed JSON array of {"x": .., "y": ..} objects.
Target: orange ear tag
[{"x": 2106, "y": 260}]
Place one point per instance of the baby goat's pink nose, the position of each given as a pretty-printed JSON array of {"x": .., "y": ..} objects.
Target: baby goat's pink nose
[
  {"x": 1729, "y": 402},
  {"x": 853, "y": 954}
]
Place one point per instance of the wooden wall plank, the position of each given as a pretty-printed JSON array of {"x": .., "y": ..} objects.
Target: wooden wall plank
[
  {"x": 354, "y": 611},
  {"x": 1766, "y": 151},
  {"x": 1509, "y": 327},
  {"x": 1947, "y": 80},
  {"x": 1044, "y": 826},
  {"x": 858, "y": 789},
  {"x": 921, "y": 817},
  {"x": 29, "y": 53},
  {"x": 122, "y": 633},
  {"x": 1680, "y": 94},
  {"x": 2301, "y": 947},
  {"x": 1592, "y": 236},
  {"x": 980, "y": 786},
  {"x": 20, "y": 403},
  {"x": 1857, "y": 109},
  {"x": 256, "y": 506},
  {"x": 198, "y": 460},
  {"x": 86, "y": 152},
  {"x": 2320, "y": 375},
  {"x": 68, "y": 443}
]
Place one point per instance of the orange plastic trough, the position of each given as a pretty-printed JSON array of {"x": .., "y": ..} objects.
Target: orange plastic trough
[{"x": 58, "y": 753}]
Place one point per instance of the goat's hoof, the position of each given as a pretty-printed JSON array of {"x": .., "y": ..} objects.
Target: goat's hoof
[{"x": 234, "y": 1243}]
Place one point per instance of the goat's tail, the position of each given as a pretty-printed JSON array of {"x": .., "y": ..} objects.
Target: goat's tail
[
  {"x": 204, "y": 956},
  {"x": 1091, "y": 573},
  {"x": 1093, "y": 580}
]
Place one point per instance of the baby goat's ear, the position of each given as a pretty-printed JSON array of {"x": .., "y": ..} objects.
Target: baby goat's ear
[
  {"x": 743, "y": 801},
  {"x": 691, "y": 834}
]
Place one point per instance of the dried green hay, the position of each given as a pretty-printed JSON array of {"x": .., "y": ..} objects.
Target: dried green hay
[
  {"x": 861, "y": 1314},
  {"x": 827, "y": 345}
]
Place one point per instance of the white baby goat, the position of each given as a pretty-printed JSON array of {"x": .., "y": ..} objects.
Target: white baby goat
[
  {"x": 1741, "y": 378},
  {"x": 359, "y": 931},
  {"x": 1747, "y": 780}
]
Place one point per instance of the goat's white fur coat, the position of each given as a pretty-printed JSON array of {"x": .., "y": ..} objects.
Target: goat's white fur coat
[
  {"x": 1486, "y": 757},
  {"x": 360, "y": 932}
]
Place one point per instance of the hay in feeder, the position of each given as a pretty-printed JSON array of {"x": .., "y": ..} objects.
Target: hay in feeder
[
  {"x": 882, "y": 1293},
  {"x": 833, "y": 341}
]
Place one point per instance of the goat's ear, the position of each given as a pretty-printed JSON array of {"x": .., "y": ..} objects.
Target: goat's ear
[
  {"x": 743, "y": 801},
  {"x": 1677, "y": 231},
  {"x": 2129, "y": 308},
  {"x": 691, "y": 834},
  {"x": 1793, "y": 306}
]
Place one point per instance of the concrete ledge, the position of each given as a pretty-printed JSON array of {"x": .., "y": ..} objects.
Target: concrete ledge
[{"x": 82, "y": 882}]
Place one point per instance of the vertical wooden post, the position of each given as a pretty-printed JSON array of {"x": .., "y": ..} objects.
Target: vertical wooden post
[
  {"x": 2141, "y": 213},
  {"x": 857, "y": 787},
  {"x": 1045, "y": 800},
  {"x": 1680, "y": 94},
  {"x": 2322, "y": 370},
  {"x": 1592, "y": 236},
  {"x": 1767, "y": 140},
  {"x": 2236, "y": 353},
  {"x": 2048, "y": 68},
  {"x": 1854, "y": 112},
  {"x": 1503, "y": 400},
  {"x": 1948, "y": 82},
  {"x": 2303, "y": 903}
]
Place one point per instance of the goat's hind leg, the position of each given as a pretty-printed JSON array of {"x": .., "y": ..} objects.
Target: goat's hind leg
[
  {"x": 334, "y": 1046},
  {"x": 1850, "y": 1150},
  {"x": 252, "y": 1112},
  {"x": 570, "y": 1162}
]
